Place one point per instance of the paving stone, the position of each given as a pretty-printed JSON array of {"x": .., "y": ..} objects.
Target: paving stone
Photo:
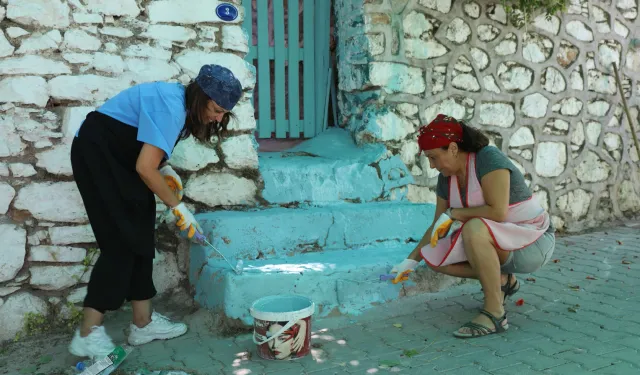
[
  {"x": 540, "y": 362},
  {"x": 548, "y": 347},
  {"x": 632, "y": 342},
  {"x": 519, "y": 369},
  {"x": 618, "y": 369},
  {"x": 568, "y": 368},
  {"x": 627, "y": 355},
  {"x": 589, "y": 362}
]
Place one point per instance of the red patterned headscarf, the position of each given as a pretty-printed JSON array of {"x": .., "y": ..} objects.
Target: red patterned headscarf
[{"x": 439, "y": 133}]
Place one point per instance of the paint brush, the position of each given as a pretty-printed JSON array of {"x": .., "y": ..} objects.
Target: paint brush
[{"x": 202, "y": 240}]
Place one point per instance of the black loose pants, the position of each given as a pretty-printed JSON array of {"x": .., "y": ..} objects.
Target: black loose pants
[{"x": 121, "y": 211}]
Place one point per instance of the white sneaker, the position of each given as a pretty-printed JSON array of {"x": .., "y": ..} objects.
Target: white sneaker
[
  {"x": 160, "y": 328},
  {"x": 96, "y": 345}
]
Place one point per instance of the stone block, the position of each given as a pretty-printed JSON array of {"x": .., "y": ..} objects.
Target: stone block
[
  {"x": 22, "y": 170},
  {"x": 575, "y": 203},
  {"x": 458, "y": 31},
  {"x": 6, "y": 48},
  {"x": 240, "y": 152},
  {"x": 72, "y": 119},
  {"x": 92, "y": 88},
  {"x": 56, "y": 160},
  {"x": 535, "y": 105},
  {"x": 170, "y": 33},
  {"x": 52, "y": 201},
  {"x": 71, "y": 235},
  {"x": 13, "y": 313},
  {"x": 143, "y": 70},
  {"x": 57, "y": 254},
  {"x": 514, "y": 76},
  {"x": 7, "y": 193},
  {"x": 497, "y": 114},
  {"x": 32, "y": 64},
  {"x": 234, "y": 38},
  {"x": 551, "y": 159},
  {"x": 40, "y": 42},
  {"x": 118, "y": 32},
  {"x": 14, "y": 242},
  {"x": 579, "y": 30},
  {"x": 221, "y": 189},
  {"x": 191, "y": 155},
  {"x": 10, "y": 142},
  {"x": 113, "y": 7},
  {"x": 108, "y": 63},
  {"x": 87, "y": 18},
  {"x": 76, "y": 39},
  {"x": 384, "y": 125},
  {"x": 455, "y": 106},
  {"x": 43, "y": 13},
  {"x": 16, "y": 32},
  {"x": 55, "y": 277},
  {"x": 395, "y": 77}
]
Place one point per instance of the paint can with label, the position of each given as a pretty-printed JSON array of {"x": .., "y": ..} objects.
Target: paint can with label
[{"x": 282, "y": 326}]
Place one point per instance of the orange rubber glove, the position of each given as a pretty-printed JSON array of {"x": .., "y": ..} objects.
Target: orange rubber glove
[
  {"x": 440, "y": 228},
  {"x": 186, "y": 220},
  {"x": 173, "y": 180}
]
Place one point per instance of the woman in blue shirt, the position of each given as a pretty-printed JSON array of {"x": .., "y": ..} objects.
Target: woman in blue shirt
[{"x": 119, "y": 163}]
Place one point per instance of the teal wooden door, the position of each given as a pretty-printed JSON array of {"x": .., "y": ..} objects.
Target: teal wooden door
[{"x": 289, "y": 45}]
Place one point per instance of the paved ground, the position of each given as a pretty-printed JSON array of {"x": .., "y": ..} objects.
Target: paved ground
[{"x": 581, "y": 314}]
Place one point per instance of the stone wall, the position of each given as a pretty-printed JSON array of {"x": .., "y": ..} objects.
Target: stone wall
[
  {"x": 59, "y": 60},
  {"x": 545, "y": 92}
]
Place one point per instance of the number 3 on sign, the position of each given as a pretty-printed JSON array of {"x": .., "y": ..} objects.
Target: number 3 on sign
[{"x": 227, "y": 12}]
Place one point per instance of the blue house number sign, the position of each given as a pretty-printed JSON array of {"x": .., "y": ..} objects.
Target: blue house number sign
[{"x": 227, "y": 12}]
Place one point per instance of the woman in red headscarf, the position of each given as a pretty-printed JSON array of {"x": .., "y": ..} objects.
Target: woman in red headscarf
[{"x": 488, "y": 224}]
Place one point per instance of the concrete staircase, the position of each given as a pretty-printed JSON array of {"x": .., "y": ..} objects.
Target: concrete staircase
[{"x": 350, "y": 224}]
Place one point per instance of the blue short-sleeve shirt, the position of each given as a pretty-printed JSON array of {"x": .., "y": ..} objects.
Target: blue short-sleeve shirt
[{"x": 157, "y": 109}]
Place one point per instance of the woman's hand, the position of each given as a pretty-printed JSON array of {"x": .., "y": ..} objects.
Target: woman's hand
[
  {"x": 440, "y": 228},
  {"x": 173, "y": 180},
  {"x": 147, "y": 167},
  {"x": 405, "y": 265},
  {"x": 186, "y": 220}
]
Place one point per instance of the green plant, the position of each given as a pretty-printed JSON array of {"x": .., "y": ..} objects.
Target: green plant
[
  {"x": 34, "y": 324},
  {"x": 75, "y": 316},
  {"x": 523, "y": 11},
  {"x": 86, "y": 262}
]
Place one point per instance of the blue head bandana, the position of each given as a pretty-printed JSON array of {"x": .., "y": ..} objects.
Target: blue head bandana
[{"x": 220, "y": 85}]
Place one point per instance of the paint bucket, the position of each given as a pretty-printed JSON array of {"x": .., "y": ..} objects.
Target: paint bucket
[{"x": 282, "y": 326}]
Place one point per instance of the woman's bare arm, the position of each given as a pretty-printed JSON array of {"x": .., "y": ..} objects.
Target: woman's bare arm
[{"x": 495, "y": 188}]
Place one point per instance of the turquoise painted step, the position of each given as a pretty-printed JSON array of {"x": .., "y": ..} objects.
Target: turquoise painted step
[
  {"x": 319, "y": 251},
  {"x": 339, "y": 282},
  {"x": 330, "y": 168},
  {"x": 318, "y": 180},
  {"x": 282, "y": 232}
]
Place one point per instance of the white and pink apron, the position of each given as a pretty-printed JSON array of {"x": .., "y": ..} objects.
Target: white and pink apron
[{"x": 525, "y": 222}]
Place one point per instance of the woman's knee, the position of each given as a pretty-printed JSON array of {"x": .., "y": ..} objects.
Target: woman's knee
[{"x": 475, "y": 230}]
